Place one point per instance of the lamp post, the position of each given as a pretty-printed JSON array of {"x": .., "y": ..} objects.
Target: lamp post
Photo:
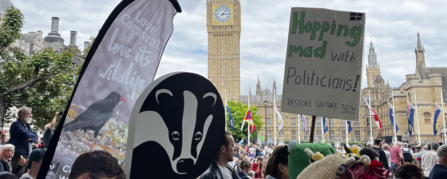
[{"x": 265, "y": 119}]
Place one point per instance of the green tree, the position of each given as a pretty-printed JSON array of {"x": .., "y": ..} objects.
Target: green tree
[
  {"x": 238, "y": 111},
  {"x": 42, "y": 81}
]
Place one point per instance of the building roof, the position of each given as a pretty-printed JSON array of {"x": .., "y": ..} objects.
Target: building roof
[{"x": 5, "y": 4}]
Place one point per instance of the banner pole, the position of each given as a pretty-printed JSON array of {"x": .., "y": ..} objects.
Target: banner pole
[
  {"x": 395, "y": 119},
  {"x": 443, "y": 116},
  {"x": 299, "y": 129},
  {"x": 417, "y": 117},
  {"x": 347, "y": 132},
  {"x": 370, "y": 123},
  {"x": 312, "y": 129}
]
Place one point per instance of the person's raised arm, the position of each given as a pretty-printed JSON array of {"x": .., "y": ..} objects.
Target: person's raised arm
[{"x": 53, "y": 121}]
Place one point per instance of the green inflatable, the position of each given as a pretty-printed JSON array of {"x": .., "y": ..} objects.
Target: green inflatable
[{"x": 299, "y": 159}]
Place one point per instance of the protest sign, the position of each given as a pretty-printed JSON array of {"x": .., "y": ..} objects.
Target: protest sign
[
  {"x": 122, "y": 62},
  {"x": 176, "y": 129},
  {"x": 322, "y": 74}
]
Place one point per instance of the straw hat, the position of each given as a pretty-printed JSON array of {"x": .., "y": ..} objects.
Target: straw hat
[{"x": 323, "y": 169}]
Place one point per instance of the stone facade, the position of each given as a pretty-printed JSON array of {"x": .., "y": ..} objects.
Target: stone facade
[{"x": 223, "y": 48}]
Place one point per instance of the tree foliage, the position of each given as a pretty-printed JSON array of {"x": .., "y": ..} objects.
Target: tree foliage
[
  {"x": 43, "y": 81},
  {"x": 238, "y": 111}
]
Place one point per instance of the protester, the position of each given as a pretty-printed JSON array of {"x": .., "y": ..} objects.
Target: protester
[
  {"x": 407, "y": 153},
  {"x": 439, "y": 171},
  {"x": 245, "y": 165},
  {"x": 252, "y": 151},
  {"x": 48, "y": 133},
  {"x": 7, "y": 175},
  {"x": 409, "y": 171},
  {"x": 429, "y": 159},
  {"x": 258, "y": 167},
  {"x": 6, "y": 154},
  {"x": 22, "y": 137},
  {"x": 396, "y": 156},
  {"x": 277, "y": 165},
  {"x": 386, "y": 149},
  {"x": 34, "y": 162},
  {"x": 96, "y": 164},
  {"x": 219, "y": 169},
  {"x": 419, "y": 155},
  {"x": 375, "y": 168},
  {"x": 379, "y": 150}
]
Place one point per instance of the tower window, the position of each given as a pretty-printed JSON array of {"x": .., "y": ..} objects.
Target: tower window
[{"x": 427, "y": 116}]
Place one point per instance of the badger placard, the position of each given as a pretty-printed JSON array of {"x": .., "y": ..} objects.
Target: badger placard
[{"x": 176, "y": 128}]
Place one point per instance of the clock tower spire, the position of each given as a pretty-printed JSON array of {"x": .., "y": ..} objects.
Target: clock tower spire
[{"x": 224, "y": 31}]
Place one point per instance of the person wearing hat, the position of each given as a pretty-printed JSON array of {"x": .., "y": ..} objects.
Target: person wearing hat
[{"x": 34, "y": 162}]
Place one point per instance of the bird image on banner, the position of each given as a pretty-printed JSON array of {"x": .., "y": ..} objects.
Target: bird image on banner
[{"x": 96, "y": 115}]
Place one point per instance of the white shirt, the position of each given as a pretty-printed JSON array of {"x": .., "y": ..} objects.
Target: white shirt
[
  {"x": 225, "y": 172},
  {"x": 388, "y": 157},
  {"x": 252, "y": 150},
  {"x": 428, "y": 161}
]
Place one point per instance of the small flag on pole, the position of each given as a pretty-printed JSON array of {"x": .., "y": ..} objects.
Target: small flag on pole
[
  {"x": 349, "y": 126},
  {"x": 325, "y": 127}
]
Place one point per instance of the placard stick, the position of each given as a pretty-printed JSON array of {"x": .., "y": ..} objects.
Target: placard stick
[{"x": 312, "y": 129}]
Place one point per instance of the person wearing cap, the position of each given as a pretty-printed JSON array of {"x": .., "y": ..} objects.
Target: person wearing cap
[
  {"x": 34, "y": 162},
  {"x": 439, "y": 171},
  {"x": 429, "y": 159}
]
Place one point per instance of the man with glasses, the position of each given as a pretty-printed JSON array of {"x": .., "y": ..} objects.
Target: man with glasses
[{"x": 22, "y": 137}]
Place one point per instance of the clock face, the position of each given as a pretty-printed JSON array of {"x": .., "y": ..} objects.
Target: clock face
[{"x": 222, "y": 13}]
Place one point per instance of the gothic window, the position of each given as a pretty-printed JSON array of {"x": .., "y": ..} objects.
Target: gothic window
[
  {"x": 269, "y": 135},
  {"x": 269, "y": 122},
  {"x": 367, "y": 121},
  {"x": 427, "y": 117},
  {"x": 293, "y": 121},
  {"x": 343, "y": 123},
  {"x": 269, "y": 111},
  {"x": 331, "y": 122},
  {"x": 318, "y": 122},
  {"x": 306, "y": 135},
  {"x": 343, "y": 134},
  {"x": 357, "y": 135},
  {"x": 293, "y": 134},
  {"x": 356, "y": 124},
  {"x": 331, "y": 132}
]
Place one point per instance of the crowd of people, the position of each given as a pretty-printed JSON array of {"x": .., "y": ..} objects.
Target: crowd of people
[{"x": 401, "y": 160}]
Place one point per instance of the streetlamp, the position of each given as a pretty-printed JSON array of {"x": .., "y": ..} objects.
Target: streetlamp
[{"x": 265, "y": 113}]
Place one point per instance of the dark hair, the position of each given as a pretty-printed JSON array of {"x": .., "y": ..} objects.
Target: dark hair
[
  {"x": 377, "y": 141},
  {"x": 434, "y": 146},
  {"x": 245, "y": 163},
  {"x": 97, "y": 163},
  {"x": 409, "y": 171},
  {"x": 371, "y": 153},
  {"x": 226, "y": 142},
  {"x": 279, "y": 155},
  {"x": 8, "y": 175}
]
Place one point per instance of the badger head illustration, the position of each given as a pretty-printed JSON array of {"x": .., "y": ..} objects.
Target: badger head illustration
[{"x": 182, "y": 114}]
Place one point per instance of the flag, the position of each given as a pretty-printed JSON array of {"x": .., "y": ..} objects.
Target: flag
[
  {"x": 231, "y": 118},
  {"x": 123, "y": 59},
  {"x": 249, "y": 119},
  {"x": 376, "y": 119},
  {"x": 261, "y": 138},
  {"x": 325, "y": 127},
  {"x": 303, "y": 123},
  {"x": 410, "y": 112},
  {"x": 240, "y": 142},
  {"x": 390, "y": 112},
  {"x": 349, "y": 126},
  {"x": 280, "y": 121},
  {"x": 435, "y": 121}
]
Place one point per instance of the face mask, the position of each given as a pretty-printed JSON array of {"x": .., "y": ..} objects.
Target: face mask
[{"x": 28, "y": 120}]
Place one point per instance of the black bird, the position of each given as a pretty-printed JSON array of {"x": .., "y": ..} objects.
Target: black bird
[{"x": 96, "y": 115}]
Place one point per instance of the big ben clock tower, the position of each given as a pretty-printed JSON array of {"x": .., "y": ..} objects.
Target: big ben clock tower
[{"x": 224, "y": 31}]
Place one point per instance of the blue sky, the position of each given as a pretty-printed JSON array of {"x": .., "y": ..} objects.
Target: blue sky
[{"x": 391, "y": 25}]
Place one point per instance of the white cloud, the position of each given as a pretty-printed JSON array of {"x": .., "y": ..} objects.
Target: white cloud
[{"x": 392, "y": 25}]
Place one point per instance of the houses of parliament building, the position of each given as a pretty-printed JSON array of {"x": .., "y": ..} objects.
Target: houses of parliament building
[{"x": 421, "y": 89}]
